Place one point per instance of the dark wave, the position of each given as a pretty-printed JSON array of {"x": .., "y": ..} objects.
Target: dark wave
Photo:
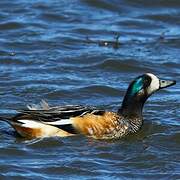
[
  {"x": 11, "y": 26},
  {"x": 125, "y": 65}
]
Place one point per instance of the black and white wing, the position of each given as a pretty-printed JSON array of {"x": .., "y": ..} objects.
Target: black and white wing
[{"x": 58, "y": 116}]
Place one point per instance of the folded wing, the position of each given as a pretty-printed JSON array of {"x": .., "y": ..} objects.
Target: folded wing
[{"x": 59, "y": 116}]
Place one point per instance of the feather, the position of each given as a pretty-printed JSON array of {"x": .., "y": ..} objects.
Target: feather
[{"x": 60, "y": 122}]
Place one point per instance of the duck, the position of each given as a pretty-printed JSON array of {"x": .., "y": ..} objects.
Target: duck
[{"x": 70, "y": 120}]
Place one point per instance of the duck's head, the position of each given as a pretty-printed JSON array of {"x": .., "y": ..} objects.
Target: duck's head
[
  {"x": 140, "y": 89},
  {"x": 147, "y": 84}
]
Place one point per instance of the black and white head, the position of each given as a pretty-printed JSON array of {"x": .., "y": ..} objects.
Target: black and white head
[
  {"x": 141, "y": 88},
  {"x": 147, "y": 84}
]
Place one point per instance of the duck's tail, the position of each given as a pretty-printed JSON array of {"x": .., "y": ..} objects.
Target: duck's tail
[
  {"x": 6, "y": 119},
  {"x": 2, "y": 118}
]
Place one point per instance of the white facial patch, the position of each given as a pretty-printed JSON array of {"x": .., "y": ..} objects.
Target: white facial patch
[{"x": 154, "y": 86}]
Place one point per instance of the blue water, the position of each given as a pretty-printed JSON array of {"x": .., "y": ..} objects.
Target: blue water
[{"x": 45, "y": 54}]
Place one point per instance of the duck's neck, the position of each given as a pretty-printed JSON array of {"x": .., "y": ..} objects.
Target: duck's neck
[{"x": 131, "y": 109}]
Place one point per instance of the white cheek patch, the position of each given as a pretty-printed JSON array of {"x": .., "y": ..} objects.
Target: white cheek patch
[{"x": 154, "y": 86}]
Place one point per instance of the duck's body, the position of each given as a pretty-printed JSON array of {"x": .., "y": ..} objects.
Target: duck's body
[{"x": 70, "y": 120}]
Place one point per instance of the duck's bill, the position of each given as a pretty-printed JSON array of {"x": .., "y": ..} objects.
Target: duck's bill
[{"x": 166, "y": 83}]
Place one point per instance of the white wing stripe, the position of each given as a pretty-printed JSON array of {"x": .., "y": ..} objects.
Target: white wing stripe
[
  {"x": 30, "y": 123},
  {"x": 35, "y": 124},
  {"x": 60, "y": 122}
]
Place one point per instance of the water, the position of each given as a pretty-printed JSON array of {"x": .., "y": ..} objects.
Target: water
[{"x": 44, "y": 54}]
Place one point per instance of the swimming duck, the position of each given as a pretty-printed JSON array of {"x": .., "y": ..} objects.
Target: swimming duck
[{"x": 70, "y": 120}]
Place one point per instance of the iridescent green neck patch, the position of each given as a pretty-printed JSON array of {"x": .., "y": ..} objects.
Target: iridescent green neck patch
[{"x": 137, "y": 86}]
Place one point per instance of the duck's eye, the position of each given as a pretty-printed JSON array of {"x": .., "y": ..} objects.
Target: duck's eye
[{"x": 147, "y": 82}]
